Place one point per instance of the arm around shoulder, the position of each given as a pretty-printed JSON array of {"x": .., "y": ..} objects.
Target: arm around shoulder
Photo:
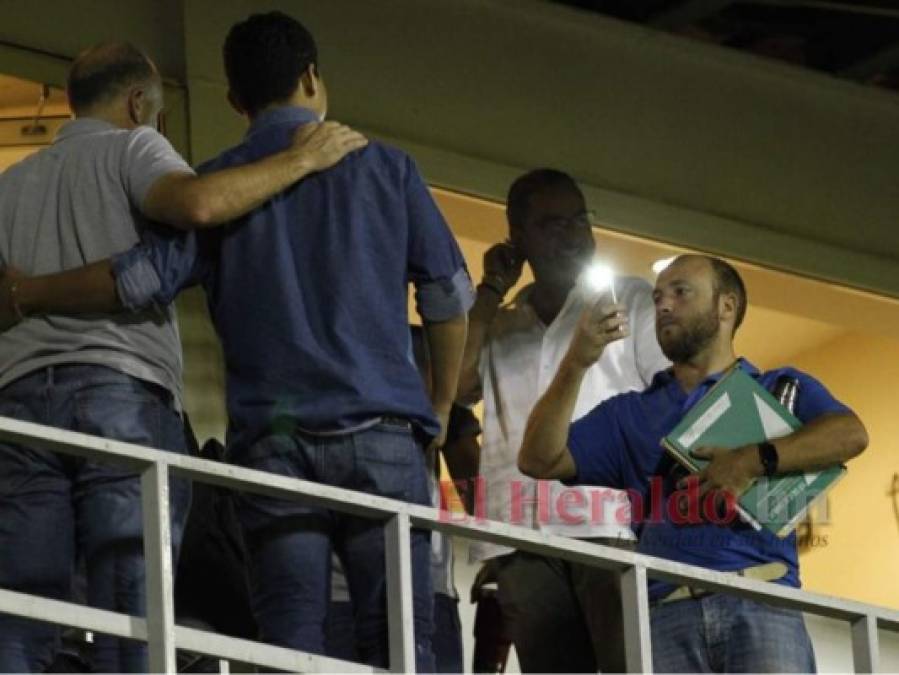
[
  {"x": 84, "y": 290},
  {"x": 184, "y": 200}
]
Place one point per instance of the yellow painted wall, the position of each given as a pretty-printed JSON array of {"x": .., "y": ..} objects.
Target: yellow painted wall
[
  {"x": 860, "y": 559},
  {"x": 11, "y": 155}
]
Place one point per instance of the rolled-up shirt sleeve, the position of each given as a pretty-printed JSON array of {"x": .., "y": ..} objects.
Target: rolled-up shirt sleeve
[
  {"x": 443, "y": 287},
  {"x": 444, "y": 299},
  {"x": 136, "y": 281},
  {"x": 156, "y": 270}
]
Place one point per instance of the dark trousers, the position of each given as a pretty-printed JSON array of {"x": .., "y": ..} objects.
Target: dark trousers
[
  {"x": 448, "y": 654},
  {"x": 561, "y": 616},
  {"x": 447, "y": 640}
]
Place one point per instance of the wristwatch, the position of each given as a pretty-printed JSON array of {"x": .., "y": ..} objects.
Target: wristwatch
[{"x": 768, "y": 457}]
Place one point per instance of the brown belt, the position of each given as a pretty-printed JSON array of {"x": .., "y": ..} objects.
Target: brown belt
[{"x": 766, "y": 572}]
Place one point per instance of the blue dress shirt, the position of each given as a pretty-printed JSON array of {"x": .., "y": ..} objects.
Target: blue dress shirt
[
  {"x": 618, "y": 444},
  {"x": 308, "y": 292}
]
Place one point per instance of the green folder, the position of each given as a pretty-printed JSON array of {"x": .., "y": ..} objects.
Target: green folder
[{"x": 738, "y": 411}]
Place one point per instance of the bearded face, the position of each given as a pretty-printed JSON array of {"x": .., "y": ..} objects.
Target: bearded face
[{"x": 682, "y": 339}]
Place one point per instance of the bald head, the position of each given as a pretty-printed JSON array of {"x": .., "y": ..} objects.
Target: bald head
[
  {"x": 108, "y": 71},
  {"x": 724, "y": 279}
]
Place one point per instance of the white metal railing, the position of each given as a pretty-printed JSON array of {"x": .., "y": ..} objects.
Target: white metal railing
[{"x": 163, "y": 636}]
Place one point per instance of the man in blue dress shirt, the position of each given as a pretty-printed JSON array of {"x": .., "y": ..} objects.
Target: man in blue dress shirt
[
  {"x": 700, "y": 302},
  {"x": 308, "y": 294}
]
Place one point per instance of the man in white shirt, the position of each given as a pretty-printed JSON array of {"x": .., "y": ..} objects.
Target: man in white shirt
[{"x": 562, "y": 617}]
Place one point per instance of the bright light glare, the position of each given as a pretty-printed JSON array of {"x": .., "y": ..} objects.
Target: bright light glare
[
  {"x": 599, "y": 278},
  {"x": 659, "y": 265}
]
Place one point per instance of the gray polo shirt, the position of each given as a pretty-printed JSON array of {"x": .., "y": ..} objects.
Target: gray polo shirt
[{"x": 74, "y": 203}]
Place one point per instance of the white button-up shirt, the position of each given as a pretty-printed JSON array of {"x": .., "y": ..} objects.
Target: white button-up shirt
[{"x": 518, "y": 362}]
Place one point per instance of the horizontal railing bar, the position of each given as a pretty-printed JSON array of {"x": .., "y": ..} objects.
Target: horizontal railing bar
[
  {"x": 349, "y": 501},
  {"x": 261, "y": 654},
  {"x": 209, "y": 644},
  {"x": 581, "y": 551},
  {"x": 207, "y": 471},
  {"x": 70, "y": 614},
  {"x": 884, "y": 622},
  {"x": 94, "y": 448}
]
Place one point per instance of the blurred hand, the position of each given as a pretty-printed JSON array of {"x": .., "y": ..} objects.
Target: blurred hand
[
  {"x": 8, "y": 315},
  {"x": 439, "y": 441},
  {"x": 728, "y": 473},
  {"x": 502, "y": 266},
  {"x": 322, "y": 145},
  {"x": 600, "y": 325}
]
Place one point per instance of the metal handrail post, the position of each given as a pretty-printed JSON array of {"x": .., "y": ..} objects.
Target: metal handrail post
[
  {"x": 865, "y": 647},
  {"x": 635, "y": 608},
  {"x": 156, "y": 466},
  {"x": 400, "y": 620},
  {"x": 158, "y": 560}
]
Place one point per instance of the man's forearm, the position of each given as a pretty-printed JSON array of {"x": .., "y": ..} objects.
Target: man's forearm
[
  {"x": 233, "y": 192},
  {"x": 446, "y": 341},
  {"x": 480, "y": 316},
  {"x": 463, "y": 458},
  {"x": 544, "y": 450},
  {"x": 187, "y": 201},
  {"x": 211, "y": 199},
  {"x": 83, "y": 290},
  {"x": 825, "y": 441}
]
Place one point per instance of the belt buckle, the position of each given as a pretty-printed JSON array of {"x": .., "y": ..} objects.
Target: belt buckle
[
  {"x": 393, "y": 421},
  {"x": 697, "y": 593}
]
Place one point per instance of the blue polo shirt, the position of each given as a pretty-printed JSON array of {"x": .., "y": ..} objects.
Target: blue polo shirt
[
  {"x": 617, "y": 444},
  {"x": 309, "y": 292}
]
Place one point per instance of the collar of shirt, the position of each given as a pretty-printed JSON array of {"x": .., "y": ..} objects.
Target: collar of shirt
[
  {"x": 665, "y": 379},
  {"x": 287, "y": 114},
  {"x": 521, "y": 304},
  {"x": 84, "y": 125}
]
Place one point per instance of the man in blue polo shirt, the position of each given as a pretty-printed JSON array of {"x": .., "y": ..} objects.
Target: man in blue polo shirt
[
  {"x": 308, "y": 294},
  {"x": 700, "y": 301}
]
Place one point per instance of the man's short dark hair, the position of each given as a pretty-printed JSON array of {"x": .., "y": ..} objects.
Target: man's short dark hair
[
  {"x": 105, "y": 71},
  {"x": 265, "y": 57},
  {"x": 728, "y": 280},
  {"x": 524, "y": 187}
]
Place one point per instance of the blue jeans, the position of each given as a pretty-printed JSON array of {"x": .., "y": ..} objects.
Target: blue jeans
[
  {"x": 725, "y": 634},
  {"x": 339, "y": 631},
  {"x": 289, "y": 543},
  {"x": 447, "y": 639},
  {"x": 54, "y": 507}
]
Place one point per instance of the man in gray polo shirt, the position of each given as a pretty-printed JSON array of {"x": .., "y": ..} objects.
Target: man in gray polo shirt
[{"x": 87, "y": 197}]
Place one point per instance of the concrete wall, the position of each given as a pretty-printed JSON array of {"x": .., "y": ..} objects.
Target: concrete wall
[{"x": 674, "y": 140}]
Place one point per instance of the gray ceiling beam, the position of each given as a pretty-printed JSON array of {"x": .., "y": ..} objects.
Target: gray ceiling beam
[
  {"x": 688, "y": 12},
  {"x": 884, "y": 60},
  {"x": 831, "y": 5}
]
